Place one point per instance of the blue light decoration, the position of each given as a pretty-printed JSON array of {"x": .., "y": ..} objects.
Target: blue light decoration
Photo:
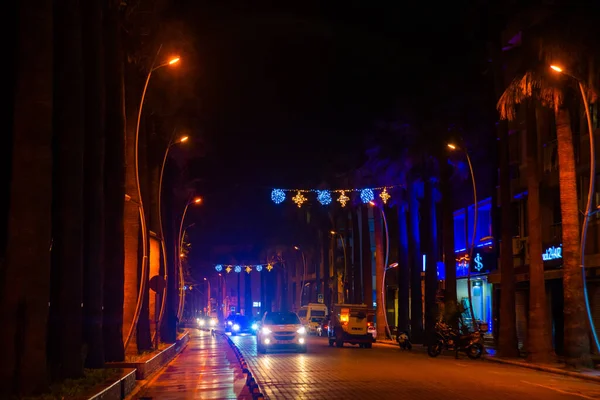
[
  {"x": 238, "y": 268},
  {"x": 259, "y": 268},
  {"x": 324, "y": 197},
  {"x": 367, "y": 195},
  {"x": 278, "y": 196},
  {"x": 219, "y": 267}
]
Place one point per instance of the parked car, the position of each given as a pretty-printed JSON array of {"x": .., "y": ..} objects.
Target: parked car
[{"x": 281, "y": 330}]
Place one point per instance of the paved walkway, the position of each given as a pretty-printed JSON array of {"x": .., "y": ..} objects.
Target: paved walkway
[{"x": 206, "y": 369}]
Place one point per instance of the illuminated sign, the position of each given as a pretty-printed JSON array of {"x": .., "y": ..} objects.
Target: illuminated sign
[{"x": 552, "y": 253}]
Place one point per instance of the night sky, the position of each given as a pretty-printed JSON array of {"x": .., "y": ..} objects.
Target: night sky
[{"x": 288, "y": 95}]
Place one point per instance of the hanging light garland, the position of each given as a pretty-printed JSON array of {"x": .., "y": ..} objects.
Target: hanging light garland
[
  {"x": 247, "y": 267},
  {"x": 326, "y": 197}
]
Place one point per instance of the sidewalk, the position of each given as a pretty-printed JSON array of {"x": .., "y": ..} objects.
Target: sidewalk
[
  {"x": 207, "y": 368},
  {"x": 556, "y": 368}
]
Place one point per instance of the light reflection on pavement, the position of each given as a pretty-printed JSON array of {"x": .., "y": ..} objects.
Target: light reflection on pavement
[{"x": 385, "y": 372}]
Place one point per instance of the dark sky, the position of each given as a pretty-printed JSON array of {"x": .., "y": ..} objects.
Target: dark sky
[{"x": 287, "y": 94}]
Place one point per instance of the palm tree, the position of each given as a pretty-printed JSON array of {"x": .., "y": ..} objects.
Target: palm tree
[
  {"x": 379, "y": 268},
  {"x": 26, "y": 267},
  {"x": 114, "y": 188},
  {"x": 403, "y": 272},
  {"x": 450, "y": 295},
  {"x": 94, "y": 184},
  {"x": 536, "y": 86}
]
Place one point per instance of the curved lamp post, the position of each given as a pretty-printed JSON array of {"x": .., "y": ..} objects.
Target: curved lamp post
[
  {"x": 472, "y": 244},
  {"x": 387, "y": 253},
  {"x": 303, "y": 274},
  {"x": 196, "y": 200},
  {"x": 160, "y": 224},
  {"x": 588, "y": 207},
  {"x": 345, "y": 261},
  {"x": 143, "y": 226}
]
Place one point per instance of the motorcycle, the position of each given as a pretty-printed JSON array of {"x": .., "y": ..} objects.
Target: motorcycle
[{"x": 451, "y": 339}]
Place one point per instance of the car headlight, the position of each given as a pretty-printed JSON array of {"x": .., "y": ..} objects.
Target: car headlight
[
  {"x": 302, "y": 330},
  {"x": 229, "y": 323},
  {"x": 213, "y": 322},
  {"x": 265, "y": 331},
  {"x": 201, "y": 322},
  {"x": 254, "y": 327},
  {"x": 236, "y": 327}
]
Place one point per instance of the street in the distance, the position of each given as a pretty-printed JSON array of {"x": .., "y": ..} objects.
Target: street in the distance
[{"x": 384, "y": 372}]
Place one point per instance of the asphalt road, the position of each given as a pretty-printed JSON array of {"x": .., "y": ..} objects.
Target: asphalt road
[{"x": 385, "y": 372}]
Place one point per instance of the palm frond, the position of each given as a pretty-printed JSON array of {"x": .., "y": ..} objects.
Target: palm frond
[{"x": 528, "y": 86}]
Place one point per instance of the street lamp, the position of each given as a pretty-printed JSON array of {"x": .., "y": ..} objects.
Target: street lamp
[
  {"x": 143, "y": 226},
  {"x": 196, "y": 200},
  {"x": 303, "y": 273},
  {"x": 345, "y": 261},
  {"x": 472, "y": 246},
  {"x": 588, "y": 208},
  {"x": 387, "y": 253},
  {"x": 160, "y": 221}
]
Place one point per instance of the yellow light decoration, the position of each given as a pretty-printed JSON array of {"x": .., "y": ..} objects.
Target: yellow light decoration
[
  {"x": 248, "y": 269},
  {"x": 343, "y": 199},
  {"x": 385, "y": 196},
  {"x": 269, "y": 267},
  {"x": 299, "y": 199},
  {"x": 228, "y": 268}
]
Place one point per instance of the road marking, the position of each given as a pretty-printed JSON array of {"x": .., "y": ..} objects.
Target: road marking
[{"x": 583, "y": 396}]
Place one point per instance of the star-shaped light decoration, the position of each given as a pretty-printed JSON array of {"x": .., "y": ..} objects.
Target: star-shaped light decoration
[
  {"x": 343, "y": 199},
  {"x": 299, "y": 199},
  {"x": 385, "y": 196},
  {"x": 269, "y": 267},
  {"x": 228, "y": 268},
  {"x": 248, "y": 269}
]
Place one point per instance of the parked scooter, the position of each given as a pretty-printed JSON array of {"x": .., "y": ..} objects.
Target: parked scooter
[{"x": 451, "y": 339}]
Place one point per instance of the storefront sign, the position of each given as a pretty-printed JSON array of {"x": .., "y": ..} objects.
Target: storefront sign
[
  {"x": 483, "y": 263},
  {"x": 552, "y": 253}
]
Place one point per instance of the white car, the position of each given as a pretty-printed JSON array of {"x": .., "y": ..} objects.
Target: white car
[{"x": 281, "y": 330}]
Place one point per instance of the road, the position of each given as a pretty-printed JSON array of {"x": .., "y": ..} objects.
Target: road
[{"x": 385, "y": 372}]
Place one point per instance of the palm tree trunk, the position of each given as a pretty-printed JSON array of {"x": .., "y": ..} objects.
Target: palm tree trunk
[
  {"x": 414, "y": 245},
  {"x": 507, "y": 332},
  {"x": 450, "y": 296},
  {"x": 539, "y": 346},
  {"x": 327, "y": 292},
  {"x": 379, "y": 269},
  {"x": 403, "y": 272},
  {"x": 367, "y": 272},
  {"x": 67, "y": 249},
  {"x": 577, "y": 345},
  {"x": 356, "y": 262},
  {"x": 114, "y": 184},
  {"x": 94, "y": 184},
  {"x": 431, "y": 244},
  {"x": 26, "y": 268}
]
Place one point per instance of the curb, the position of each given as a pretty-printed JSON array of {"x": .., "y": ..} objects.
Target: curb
[
  {"x": 544, "y": 369},
  {"x": 250, "y": 381}
]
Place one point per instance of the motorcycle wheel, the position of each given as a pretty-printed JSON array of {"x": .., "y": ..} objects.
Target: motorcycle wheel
[
  {"x": 475, "y": 351},
  {"x": 434, "y": 350}
]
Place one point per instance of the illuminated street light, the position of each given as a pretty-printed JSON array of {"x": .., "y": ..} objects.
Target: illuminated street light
[
  {"x": 142, "y": 213},
  {"x": 472, "y": 244},
  {"x": 196, "y": 200},
  {"x": 160, "y": 223},
  {"x": 588, "y": 208}
]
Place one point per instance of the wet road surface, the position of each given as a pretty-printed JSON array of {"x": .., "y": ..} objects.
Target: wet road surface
[
  {"x": 206, "y": 369},
  {"x": 385, "y": 372}
]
